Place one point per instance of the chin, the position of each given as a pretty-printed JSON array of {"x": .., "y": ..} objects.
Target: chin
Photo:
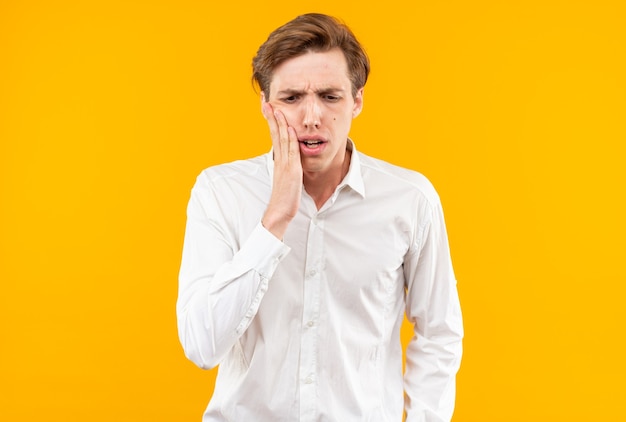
[{"x": 312, "y": 167}]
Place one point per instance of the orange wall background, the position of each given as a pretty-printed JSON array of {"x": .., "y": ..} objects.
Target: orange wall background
[{"x": 109, "y": 109}]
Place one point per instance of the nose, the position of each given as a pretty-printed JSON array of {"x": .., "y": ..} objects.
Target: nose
[{"x": 312, "y": 114}]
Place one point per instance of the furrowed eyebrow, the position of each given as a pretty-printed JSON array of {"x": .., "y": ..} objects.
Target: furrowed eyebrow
[
  {"x": 322, "y": 91},
  {"x": 290, "y": 92},
  {"x": 327, "y": 91}
]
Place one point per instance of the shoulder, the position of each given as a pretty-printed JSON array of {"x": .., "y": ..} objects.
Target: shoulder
[
  {"x": 224, "y": 188},
  {"x": 379, "y": 172},
  {"x": 233, "y": 171}
]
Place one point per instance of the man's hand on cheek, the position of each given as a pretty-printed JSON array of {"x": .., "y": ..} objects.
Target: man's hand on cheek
[{"x": 287, "y": 182}]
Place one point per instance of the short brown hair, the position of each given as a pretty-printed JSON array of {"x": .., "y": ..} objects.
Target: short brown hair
[{"x": 310, "y": 32}]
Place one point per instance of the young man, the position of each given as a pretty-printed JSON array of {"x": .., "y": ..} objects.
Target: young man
[{"x": 298, "y": 265}]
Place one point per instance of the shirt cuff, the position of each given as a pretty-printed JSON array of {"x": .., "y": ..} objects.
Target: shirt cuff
[{"x": 263, "y": 249}]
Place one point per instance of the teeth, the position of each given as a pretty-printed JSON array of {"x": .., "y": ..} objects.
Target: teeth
[{"x": 310, "y": 143}]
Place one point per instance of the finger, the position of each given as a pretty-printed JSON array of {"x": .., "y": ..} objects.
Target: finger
[
  {"x": 294, "y": 145},
  {"x": 283, "y": 133},
  {"x": 268, "y": 113}
]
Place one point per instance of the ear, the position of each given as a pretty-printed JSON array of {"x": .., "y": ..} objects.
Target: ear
[
  {"x": 358, "y": 103},
  {"x": 263, "y": 104}
]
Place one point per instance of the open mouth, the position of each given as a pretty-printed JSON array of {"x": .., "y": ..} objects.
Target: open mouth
[{"x": 312, "y": 143}]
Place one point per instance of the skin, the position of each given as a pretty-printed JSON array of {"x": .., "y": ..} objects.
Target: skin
[{"x": 310, "y": 103}]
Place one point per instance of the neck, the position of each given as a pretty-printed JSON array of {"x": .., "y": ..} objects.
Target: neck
[{"x": 321, "y": 185}]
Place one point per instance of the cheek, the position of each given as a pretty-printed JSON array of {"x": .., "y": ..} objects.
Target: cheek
[
  {"x": 340, "y": 120},
  {"x": 291, "y": 115}
]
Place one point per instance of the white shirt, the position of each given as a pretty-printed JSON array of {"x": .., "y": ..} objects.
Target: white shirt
[{"x": 308, "y": 329}]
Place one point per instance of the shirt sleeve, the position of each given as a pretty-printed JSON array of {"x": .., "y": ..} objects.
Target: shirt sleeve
[
  {"x": 221, "y": 282},
  {"x": 434, "y": 354}
]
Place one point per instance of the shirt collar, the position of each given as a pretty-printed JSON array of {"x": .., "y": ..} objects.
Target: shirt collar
[{"x": 354, "y": 177}]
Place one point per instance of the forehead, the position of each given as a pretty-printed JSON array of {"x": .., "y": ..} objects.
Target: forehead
[{"x": 312, "y": 69}]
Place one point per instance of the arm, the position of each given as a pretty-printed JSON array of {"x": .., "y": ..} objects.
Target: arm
[
  {"x": 221, "y": 285},
  {"x": 434, "y": 354}
]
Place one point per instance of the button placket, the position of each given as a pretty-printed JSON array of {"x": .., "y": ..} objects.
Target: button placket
[{"x": 309, "y": 340}]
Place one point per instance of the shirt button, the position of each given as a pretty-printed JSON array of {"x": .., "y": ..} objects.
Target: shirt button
[
  {"x": 309, "y": 380},
  {"x": 312, "y": 273},
  {"x": 310, "y": 323}
]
